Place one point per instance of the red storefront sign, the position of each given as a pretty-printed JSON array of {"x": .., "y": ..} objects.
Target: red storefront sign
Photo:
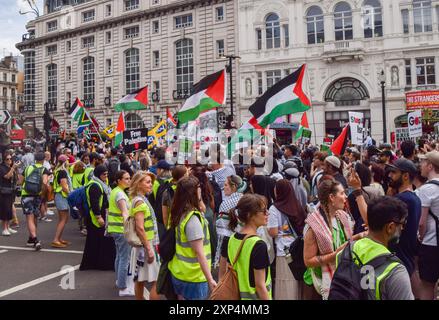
[{"x": 422, "y": 100}]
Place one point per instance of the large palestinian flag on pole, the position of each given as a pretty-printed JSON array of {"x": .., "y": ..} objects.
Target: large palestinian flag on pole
[
  {"x": 120, "y": 128},
  {"x": 138, "y": 100},
  {"x": 339, "y": 145},
  {"x": 209, "y": 93},
  {"x": 285, "y": 97},
  {"x": 303, "y": 125}
]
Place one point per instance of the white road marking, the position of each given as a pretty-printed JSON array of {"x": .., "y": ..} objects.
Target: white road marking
[
  {"x": 3, "y": 251},
  {"x": 36, "y": 281},
  {"x": 43, "y": 250}
]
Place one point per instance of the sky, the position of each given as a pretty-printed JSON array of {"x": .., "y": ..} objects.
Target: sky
[{"x": 12, "y": 25}]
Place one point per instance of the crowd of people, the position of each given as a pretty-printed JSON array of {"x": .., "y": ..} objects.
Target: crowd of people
[{"x": 382, "y": 201}]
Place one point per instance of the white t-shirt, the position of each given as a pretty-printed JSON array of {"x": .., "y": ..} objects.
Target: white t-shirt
[
  {"x": 285, "y": 237},
  {"x": 429, "y": 195}
]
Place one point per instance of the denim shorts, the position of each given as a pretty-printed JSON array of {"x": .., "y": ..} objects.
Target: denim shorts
[
  {"x": 31, "y": 205},
  {"x": 191, "y": 290},
  {"x": 61, "y": 202}
]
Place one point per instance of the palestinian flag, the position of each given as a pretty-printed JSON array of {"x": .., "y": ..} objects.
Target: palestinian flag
[
  {"x": 120, "y": 128},
  {"x": 15, "y": 125},
  {"x": 325, "y": 148},
  {"x": 138, "y": 100},
  {"x": 285, "y": 97},
  {"x": 209, "y": 93},
  {"x": 170, "y": 119},
  {"x": 303, "y": 125},
  {"x": 76, "y": 108},
  {"x": 339, "y": 145}
]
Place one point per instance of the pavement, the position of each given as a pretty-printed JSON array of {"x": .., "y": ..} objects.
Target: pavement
[{"x": 30, "y": 275}]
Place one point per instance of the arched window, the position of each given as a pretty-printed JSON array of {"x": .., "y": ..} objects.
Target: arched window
[
  {"x": 346, "y": 92},
  {"x": 133, "y": 121},
  {"x": 422, "y": 15},
  {"x": 343, "y": 21},
  {"x": 52, "y": 84},
  {"x": 372, "y": 19},
  {"x": 272, "y": 28},
  {"x": 315, "y": 26},
  {"x": 185, "y": 65},
  {"x": 132, "y": 70},
  {"x": 89, "y": 79}
]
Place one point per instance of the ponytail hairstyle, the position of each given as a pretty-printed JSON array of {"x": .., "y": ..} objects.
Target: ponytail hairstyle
[
  {"x": 248, "y": 206},
  {"x": 185, "y": 199},
  {"x": 325, "y": 189}
]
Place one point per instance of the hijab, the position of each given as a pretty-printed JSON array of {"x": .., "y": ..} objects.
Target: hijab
[{"x": 263, "y": 186}]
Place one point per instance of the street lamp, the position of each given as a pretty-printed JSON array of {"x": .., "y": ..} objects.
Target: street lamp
[
  {"x": 47, "y": 120},
  {"x": 229, "y": 69},
  {"x": 383, "y": 98}
]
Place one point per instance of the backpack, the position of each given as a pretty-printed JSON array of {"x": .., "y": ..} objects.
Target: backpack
[
  {"x": 294, "y": 256},
  {"x": 228, "y": 286},
  {"x": 217, "y": 193},
  {"x": 159, "y": 197},
  {"x": 435, "y": 217},
  {"x": 78, "y": 199},
  {"x": 113, "y": 168},
  {"x": 33, "y": 182},
  {"x": 346, "y": 283}
]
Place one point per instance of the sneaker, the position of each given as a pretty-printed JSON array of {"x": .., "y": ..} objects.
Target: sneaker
[
  {"x": 50, "y": 213},
  {"x": 30, "y": 242},
  {"x": 6, "y": 233},
  {"x": 127, "y": 292},
  {"x": 37, "y": 245},
  {"x": 12, "y": 231},
  {"x": 46, "y": 219}
]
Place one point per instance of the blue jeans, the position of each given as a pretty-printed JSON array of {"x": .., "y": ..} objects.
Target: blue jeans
[{"x": 123, "y": 251}]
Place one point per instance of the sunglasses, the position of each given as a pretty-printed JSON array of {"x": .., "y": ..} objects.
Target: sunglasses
[{"x": 8, "y": 159}]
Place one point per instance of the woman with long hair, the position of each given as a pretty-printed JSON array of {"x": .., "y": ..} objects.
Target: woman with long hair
[
  {"x": 148, "y": 260},
  {"x": 285, "y": 224},
  {"x": 190, "y": 266},
  {"x": 62, "y": 185},
  {"x": 8, "y": 181},
  {"x": 253, "y": 264},
  {"x": 178, "y": 172}
]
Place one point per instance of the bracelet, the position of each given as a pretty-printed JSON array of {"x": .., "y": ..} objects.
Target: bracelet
[{"x": 357, "y": 193}]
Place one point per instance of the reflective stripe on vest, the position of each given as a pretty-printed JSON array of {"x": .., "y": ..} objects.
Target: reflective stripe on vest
[
  {"x": 185, "y": 265},
  {"x": 242, "y": 267},
  {"x": 148, "y": 224},
  {"x": 115, "y": 218},
  {"x": 101, "y": 200},
  {"x": 366, "y": 250}
]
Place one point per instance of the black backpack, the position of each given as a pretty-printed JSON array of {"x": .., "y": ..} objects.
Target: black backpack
[
  {"x": 33, "y": 183},
  {"x": 159, "y": 199},
  {"x": 346, "y": 283}
]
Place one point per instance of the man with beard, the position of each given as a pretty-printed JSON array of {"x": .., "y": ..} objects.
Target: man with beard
[{"x": 402, "y": 173}]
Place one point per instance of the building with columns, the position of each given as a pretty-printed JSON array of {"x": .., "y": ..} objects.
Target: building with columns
[
  {"x": 100, "y": 50},
  {"x": 9, "y": 78},
  {"x": 346, "y": 46}
]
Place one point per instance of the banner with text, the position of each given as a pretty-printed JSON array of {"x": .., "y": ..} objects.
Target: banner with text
[
  {"x": 415, "y": 124},
  {"x": 356, "y": 124},
  {"x": 135, "y": 140},
  {"x": 422, "y": 100}
]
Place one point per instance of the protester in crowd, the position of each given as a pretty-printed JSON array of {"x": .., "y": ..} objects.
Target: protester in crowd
[
  {"x": 99, "y": 250},
  {"x": 387, "y": 219},
  {"x": 264, "y": 186},
  {"x": 163, "y": 169},
  {"x": 253, "y": 264},
  {"x": 408, "y": 149},
  {"x": 8, "y": 182},
  {"x": 377, "y": 178},
  {"x": 428, "y": 226},
  {"x": 31, "y": 203},
  {"x": 62, "y": 185},
  {"x": 125, "y": 164},
  {"x": 326, "y": 233},
  {"x": 148, "y": 260},
  {"x": 68, "y": 153},
  {"x": 95, "y": 160},
  {"x": 402, "y": 174},
  {"x": 156, "y": 155},
  {"x": 178, "y": 172},
  {"x": 190, "y": 266},
  {"x": 218, "y": 171},
  {"x": 86, "y": 158},
  {"x": 113, "y": 165},
  {"x": 317, "y": 172},
  {"x": 28, "y": 159},
  {"x": 333, "y": 167},
  {"x": 233, "y": 191},
  {"x": 285, "y": 223}
]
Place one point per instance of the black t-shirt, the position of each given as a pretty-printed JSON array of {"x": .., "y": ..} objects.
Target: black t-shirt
[
  {"x": 62, "y": 174},
  {"x": 5, "y": 183},
  {"x": 259, "y": 258}
]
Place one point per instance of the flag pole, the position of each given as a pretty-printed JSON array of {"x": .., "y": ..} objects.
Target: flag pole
[
  {"x": 312, "y": 110},
  {"x": 92, "y": 122}
]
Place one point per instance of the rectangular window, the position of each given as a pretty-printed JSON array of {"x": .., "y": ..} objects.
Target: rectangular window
[
  {"x": 108, "y": 37},
  {"x": 68, "y": 46},
  {"x": 408, "y": 73},
  {"x": 260, "y": 84},
  {"x": 69, "y": 73},
  {"x": 219, "y": 13},
  {"x": 155, "y": 26},
  {"x": 183, "y": 21},
  {"x": 273, "y": 77},
  {"x": 422, "y": 16},
  {"x": 13, "y": 78},
  {"x": 156, "y": 90},
  {"x": 373, "y": 22},
  {"x": 220, "y": 48},
  {"x": 343, "y": 25},
  {"x": 108, "y": 10},
  {"x": 315, "y": 28},
  {"x": 5, "y": 77},
  {"x": 88, "y": 16},
  {"x": 108, "y": 67},
  {"x": 5, "y": 92},
  {"x": 259, "y": 38},
  {"x": 425, "y": 71},
  {"x": 156, "y": 57},
  {"x": 88, "y": 42},
  {"x": 131, "y": 32},
  {"x": 68, "y": 96},
  {"x": 287, "y": 35},
  {"x": 52, "y": 26},
  {"x": 131, "y": 5},
  {"x": 405, "y": 20},
  {"x": 52, "y": 50},
  {"x": 108, "y": 92}
]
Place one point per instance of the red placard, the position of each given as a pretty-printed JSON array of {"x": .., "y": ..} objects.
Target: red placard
[
  {"x": 18, "y": 134},
  {"x": 422, "y": 100}
]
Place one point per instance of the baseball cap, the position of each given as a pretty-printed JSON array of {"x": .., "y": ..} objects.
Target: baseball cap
[
  {"x": 163, "y": 164},
  {"x": 62, "y": 158},
  {"x": 334, "y": 161},
  {"x": 404, "y": 165},
  {"x": 432, "y": 156},
  {"x": 386, "y": 153}
]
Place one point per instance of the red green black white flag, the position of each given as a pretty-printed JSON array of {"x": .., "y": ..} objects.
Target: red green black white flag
[{"x": 137, "y": 100}]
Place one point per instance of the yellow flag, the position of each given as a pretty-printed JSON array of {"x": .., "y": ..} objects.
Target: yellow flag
[
  {"x": 159, "y": 130},
  {"x": 110, "y": 131}
]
